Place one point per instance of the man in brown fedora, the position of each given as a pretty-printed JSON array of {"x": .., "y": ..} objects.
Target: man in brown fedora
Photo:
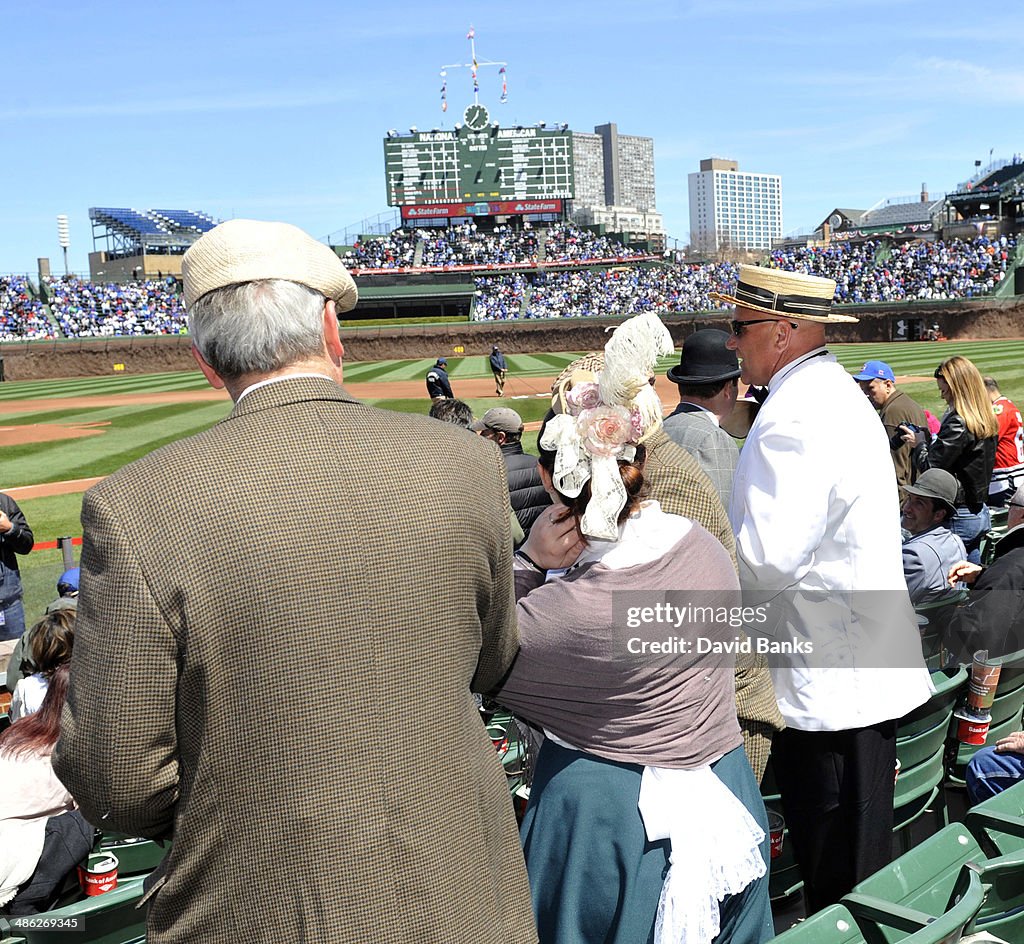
[
  {"x": 706, "y": 376},
  {"x": 299, "y": 805},
  {"x": 818, "y": 544}
]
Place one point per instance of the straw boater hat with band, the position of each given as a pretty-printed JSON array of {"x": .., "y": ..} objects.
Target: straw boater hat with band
[
  {"x": 251, "y": 251},
  {"x": 784, "y": 294}
]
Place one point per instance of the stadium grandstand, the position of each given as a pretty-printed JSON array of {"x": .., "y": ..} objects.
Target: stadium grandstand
[
  {"x": 510, "y": 274},
  {"x": 130, "y": 244}
]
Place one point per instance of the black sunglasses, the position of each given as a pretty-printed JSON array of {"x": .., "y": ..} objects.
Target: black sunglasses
[{"x": 739, "y": 326}]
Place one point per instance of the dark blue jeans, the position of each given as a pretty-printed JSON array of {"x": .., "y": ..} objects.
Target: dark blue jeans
[
  {"x": 971, "y": 528},
  {"x": 989, "y": 773},
  {"x": 14, "y": 621}
]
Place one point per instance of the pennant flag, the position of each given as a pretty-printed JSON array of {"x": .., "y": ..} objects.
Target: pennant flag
[
  {"x": 476, "y": 86},
  {"x": 444, "y": 106},
  {"x": 471, "y": 33},
  {"x": 474, "y": 63}
]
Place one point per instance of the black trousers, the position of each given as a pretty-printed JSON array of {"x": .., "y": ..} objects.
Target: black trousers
[{"x": 837, "y": 793}]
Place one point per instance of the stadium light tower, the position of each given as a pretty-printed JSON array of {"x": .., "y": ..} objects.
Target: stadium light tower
[{"x": 63, "y": 238}]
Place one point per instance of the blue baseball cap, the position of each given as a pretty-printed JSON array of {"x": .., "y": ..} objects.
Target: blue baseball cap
[
  {"x": 442, "y": 360},
  {"x": 68, "y": 582},
  {"x": 876, "y": 370}
]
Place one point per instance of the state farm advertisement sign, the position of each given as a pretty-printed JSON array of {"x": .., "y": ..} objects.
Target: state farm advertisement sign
[{"x": 481, "y": 208}]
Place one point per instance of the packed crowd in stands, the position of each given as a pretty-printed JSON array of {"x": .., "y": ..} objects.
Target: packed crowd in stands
[
  {"x": 88, "y": 309},
  {"x": 465, "y": 245},
  {"x": 567, "y": 242},
  {"x": 623, "y": 290},
  {"x": 914, "y": 270},
  {"x": 394, "y": 251},
  {"x": 863, "y": 273},
  {"x": 22, "y": 317}
]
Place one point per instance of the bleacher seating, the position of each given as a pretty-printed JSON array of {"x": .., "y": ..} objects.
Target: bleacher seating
[
  {"x": 87, "y": 309},
  {"x": 186, "y": 219},
  {"x": 22, "y": 317},
  {"x": 129, "y": 222}
]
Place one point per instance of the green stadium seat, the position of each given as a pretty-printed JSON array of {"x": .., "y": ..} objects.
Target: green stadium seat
[
  {"x": 861, "y": 919},
  {"x": 998, "y": 822},
  {"x": 112, "y": 918},
  {"x": 938, "y": 613},
  {"x": 134, "y": 856},
  {"x": 926, "y": 879},
  {"x": 948, "y": 684}
]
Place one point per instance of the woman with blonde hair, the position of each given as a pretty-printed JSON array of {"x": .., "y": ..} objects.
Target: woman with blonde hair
[{"x": 965, "y": 446}]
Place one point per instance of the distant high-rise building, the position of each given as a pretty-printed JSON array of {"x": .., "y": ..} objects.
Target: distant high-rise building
[
  {"x": 614, "y": 178},
  {"x": 733, "y": 209}
]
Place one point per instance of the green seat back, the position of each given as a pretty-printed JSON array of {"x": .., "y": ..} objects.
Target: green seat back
[
  {"x": 948, "y": 684},
  {"x": 834, "y": 925},
  {"x": 924, "y": 878},
  {"x": 134, "y": 856},
  {"x": 112, "y": 918}
]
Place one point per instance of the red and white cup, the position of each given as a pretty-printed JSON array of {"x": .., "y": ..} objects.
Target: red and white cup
[
  {"x": 499, "y": 737},
  {"x": 776, "y": 832},
  {"x": 99, "y": 874},
  {"x": 972, "y": 728}
]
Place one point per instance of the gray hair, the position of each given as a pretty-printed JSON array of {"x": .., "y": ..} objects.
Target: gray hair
[
  {"x": 1018, "y": 496},
  {"x": 257, "y": 327}
]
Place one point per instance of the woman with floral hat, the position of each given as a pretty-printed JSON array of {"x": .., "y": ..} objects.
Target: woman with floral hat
[{"x": 645, "y": 822}]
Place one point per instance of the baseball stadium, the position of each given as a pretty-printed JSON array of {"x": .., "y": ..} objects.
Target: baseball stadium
[{"x": 502, "y": 242}]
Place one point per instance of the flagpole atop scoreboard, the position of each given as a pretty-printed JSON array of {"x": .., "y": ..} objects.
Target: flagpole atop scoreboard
[{"x": 473, "y": 65}]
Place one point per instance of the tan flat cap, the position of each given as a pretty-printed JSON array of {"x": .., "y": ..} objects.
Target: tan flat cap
[{"x": 249, "y": 250}]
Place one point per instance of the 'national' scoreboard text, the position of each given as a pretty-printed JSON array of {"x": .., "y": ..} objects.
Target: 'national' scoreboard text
[{"x": 490, "y": 164}]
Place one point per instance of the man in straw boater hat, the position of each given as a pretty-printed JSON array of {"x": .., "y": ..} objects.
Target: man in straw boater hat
[
  {"x": 303, "y": 515},
  {"x": 816, "y": 518}
]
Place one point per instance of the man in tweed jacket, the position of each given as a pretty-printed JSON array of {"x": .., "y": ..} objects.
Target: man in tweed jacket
[
  {"x": 357, "y": 798},
  {"x": 707, "y": 379}
]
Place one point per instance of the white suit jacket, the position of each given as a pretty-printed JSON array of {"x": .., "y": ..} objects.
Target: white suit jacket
[{"x": 815, "y": 511}]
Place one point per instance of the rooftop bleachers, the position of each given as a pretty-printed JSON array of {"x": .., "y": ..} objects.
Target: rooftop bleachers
[
  {"x": 128, "y": 221},
  {"x": 1001, "y": 176},
  {"x": 186, "y": 219}
]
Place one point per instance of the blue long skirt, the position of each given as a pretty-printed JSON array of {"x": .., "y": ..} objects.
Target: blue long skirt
[{"x": 594, "y": 877}]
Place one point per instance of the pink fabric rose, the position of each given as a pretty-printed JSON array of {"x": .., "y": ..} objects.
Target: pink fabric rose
[
  {"x": 605, "y": 429},
  {"x": 637, "y": 423},
  {"x": 585, "y": 396}
]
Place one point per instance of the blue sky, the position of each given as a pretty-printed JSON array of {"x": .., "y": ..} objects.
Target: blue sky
[{"x": 277, "y": 110}]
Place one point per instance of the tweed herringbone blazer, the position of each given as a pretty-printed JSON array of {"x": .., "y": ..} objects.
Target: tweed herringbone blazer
[
  {"x": 353, "y": 795},
  {"x": 714, "y": 449},
  {"x": 681, "y": 488}
]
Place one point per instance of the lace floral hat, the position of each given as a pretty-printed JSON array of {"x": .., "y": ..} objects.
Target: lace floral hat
[{"x": 604, "y": 408}]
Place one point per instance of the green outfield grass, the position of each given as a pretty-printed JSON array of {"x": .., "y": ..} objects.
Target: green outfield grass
[{"x": 134, "y": 431}]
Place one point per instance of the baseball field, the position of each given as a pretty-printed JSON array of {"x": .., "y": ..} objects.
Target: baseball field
[{"x": 59, "y": 436}]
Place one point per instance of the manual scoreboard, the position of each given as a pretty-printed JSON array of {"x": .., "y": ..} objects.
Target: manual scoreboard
[{"x": 489, "y": 163}]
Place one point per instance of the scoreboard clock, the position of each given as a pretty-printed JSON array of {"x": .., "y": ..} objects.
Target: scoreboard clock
[{"x": 478, "y": 161}]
